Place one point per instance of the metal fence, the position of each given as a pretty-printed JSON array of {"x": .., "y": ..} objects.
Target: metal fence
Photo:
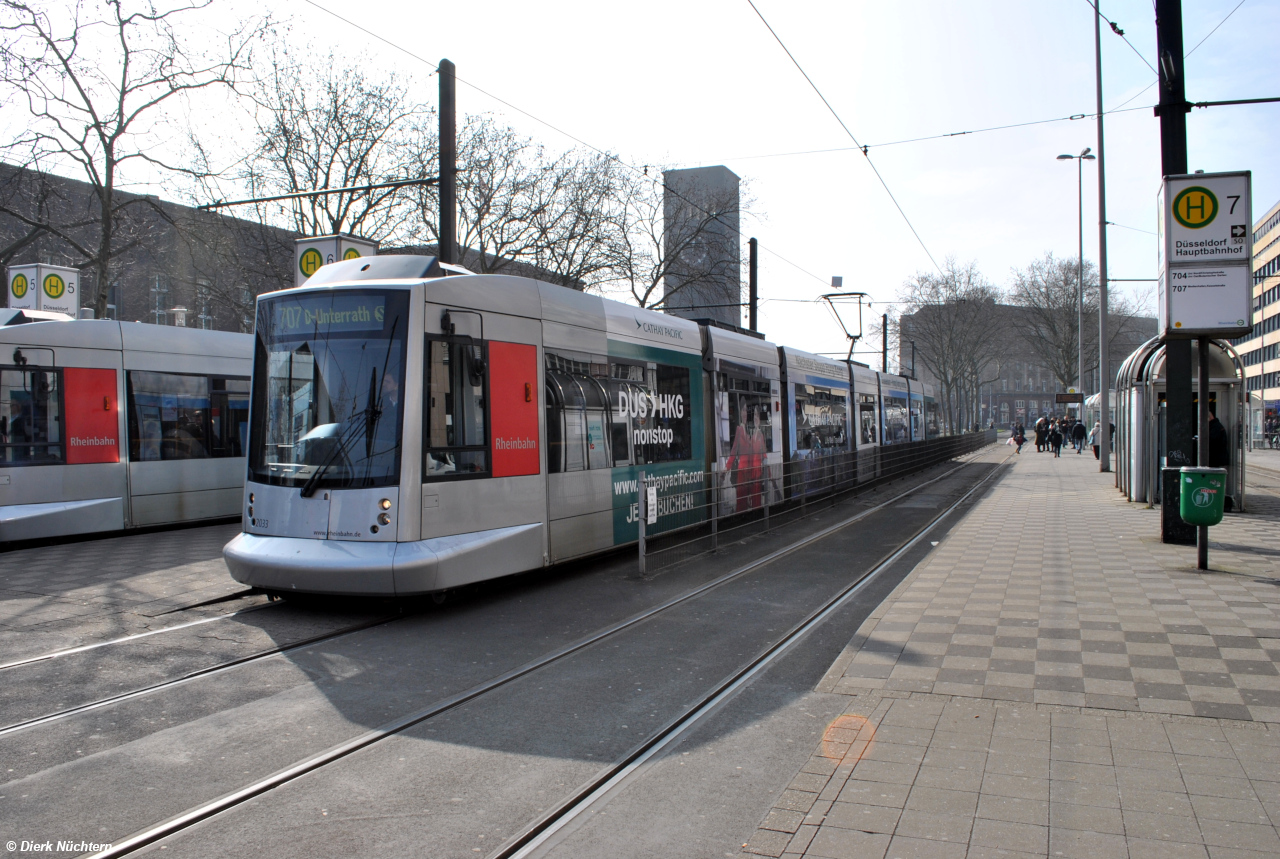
[{"x": 730, "y": 504}]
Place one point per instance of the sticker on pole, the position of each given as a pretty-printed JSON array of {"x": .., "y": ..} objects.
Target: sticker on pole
[
  {"x": 1203, "y": 497},
  {"x": 651, "y": 505}
]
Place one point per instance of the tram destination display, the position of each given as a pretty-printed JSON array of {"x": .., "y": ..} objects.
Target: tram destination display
[
  {"x": 1206, "y": 255},
  {"x": 333, "y": 314}
]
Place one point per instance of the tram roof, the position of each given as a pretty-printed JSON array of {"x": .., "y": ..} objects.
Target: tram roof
[
  {"x": 817, "y": 365},
  {"x": 132, "y": 336}
]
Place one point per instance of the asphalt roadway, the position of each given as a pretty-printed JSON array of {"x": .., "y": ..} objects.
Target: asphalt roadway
[{"x": 463, "y": 782}]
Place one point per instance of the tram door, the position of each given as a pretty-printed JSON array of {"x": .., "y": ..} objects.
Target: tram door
[{"x": 482, "y": 476}]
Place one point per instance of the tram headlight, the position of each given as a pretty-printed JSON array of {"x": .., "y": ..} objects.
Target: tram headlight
[
  {"x": 385, "y": 504},
  {"x": 384, "y": 519},
  {"x": 250, "y": 497},
  {"x": 250, "y": 512}
]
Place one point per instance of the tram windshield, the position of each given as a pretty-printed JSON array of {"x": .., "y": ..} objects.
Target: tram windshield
[{"x": 327, "y": 379}]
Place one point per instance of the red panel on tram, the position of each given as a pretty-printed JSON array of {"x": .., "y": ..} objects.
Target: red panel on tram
[
  {"x": 92, "y": 416},
  {"x": 513, "y": 408}
]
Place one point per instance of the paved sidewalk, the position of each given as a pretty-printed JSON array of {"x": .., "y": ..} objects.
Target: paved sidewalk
[
  {"x": 1054, "y": 681},
  {"x": 76, "y": 592}
]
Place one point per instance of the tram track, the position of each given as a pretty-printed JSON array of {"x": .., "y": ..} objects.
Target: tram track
[
  {"x": 616, "y": 776},
  {"x": 193, "y": 675},
  {"x": 191, "y": 817},
  {"x": 70, "y": 651}
]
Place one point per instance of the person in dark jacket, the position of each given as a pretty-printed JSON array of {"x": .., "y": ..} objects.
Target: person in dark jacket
[
  {"x": 1078, "y": 435},
  {"x": 1055, "y": 439},
  {"x": 1219, "y": 450},
  {"x": 1219, "y": 442}
]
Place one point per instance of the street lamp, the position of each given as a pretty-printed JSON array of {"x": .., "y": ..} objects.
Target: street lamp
[{"x": 1080, "y": 159}]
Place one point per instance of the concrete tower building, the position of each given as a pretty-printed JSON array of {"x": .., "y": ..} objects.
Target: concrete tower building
[{"x": 701, "y": 239}]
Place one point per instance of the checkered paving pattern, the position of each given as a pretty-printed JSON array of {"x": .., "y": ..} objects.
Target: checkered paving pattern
[
  {"x": 1054, "y": 681},
  {"x": 1055, "y": 590},
  {"x": 120, "y": 583}
]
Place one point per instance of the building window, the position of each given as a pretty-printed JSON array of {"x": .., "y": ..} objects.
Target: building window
[{"x": 204, "y": 303}]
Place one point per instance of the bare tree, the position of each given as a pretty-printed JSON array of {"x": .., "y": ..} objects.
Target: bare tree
[
  {"x": 1048, "y": 291},
  {"x": 519, "y": 203},
  {"x": 325, "y": 123},
  {"x": 229, "y": 262},
  {"x": 960, "y": 332},
  {"x": 40, "y": 209},
  {"x": 96, "y": 78},
  {"x": 666, "y": 246}
]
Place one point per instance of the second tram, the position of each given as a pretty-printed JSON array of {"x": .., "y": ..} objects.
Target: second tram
[{"x": 110, "y": 425}]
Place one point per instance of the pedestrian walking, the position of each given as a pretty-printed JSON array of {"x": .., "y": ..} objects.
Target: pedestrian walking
[
  {"x": 1042, "y": 434},
  {"x": 1055, "y": 440},
  {"x": 1078, "y": 436},
  {"x": 1094, "y": 441}
]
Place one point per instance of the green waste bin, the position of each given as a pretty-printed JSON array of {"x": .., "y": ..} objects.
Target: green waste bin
[{"x": 1204, "y": 491}]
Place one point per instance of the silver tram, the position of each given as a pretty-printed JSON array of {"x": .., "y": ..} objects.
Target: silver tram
[
  {"x": 109, "y": 425},
  {"x": 412, "y": 432}
]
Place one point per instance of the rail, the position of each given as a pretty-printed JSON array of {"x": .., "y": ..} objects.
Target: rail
[{"x": 729, "y": 504}]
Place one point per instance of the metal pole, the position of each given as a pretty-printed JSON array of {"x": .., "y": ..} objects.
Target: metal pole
[
  {"x": 1202, "y": 448},
  {"x": 641, "y": 515},
  {"x": 1080, "y": 279},
  {"x": 1173, "y": 110},
  {"x": 753, "y": 295},
  {"x": 715, "y": 509},
  {"x": 1104, "y": 380},
  {"x": 449, "y": 169},
  {"x": 765, "y": 489},
  {"x": 884, "y": 348},
  {"x": 1173, "y": 107}
]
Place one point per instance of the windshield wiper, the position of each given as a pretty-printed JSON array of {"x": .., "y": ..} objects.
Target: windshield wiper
[
  {"x": 340, "y": 446},
  {"x": 371, "y": 412}
]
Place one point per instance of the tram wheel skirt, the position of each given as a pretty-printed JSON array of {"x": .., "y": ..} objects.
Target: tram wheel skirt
[
  {"x": 385, "y": 569},
  {"x": 56, "y": 518}
]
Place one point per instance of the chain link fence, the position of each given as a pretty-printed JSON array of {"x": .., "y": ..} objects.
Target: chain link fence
[{"x": 730, "y": 505}]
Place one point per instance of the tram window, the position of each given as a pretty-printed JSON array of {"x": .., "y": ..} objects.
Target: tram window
[
  {"x": 748, "y": 406},
  {"x": 820, "y": 420},
  {"x": 895, "y": 419},
  {"x": 229, "y": 417},
  {"x": 932, "y": 419},
  {"x": 578, "y": 411},
  {"x": 454, "y": 424},
  {"x": 31, "y": 417},
  {"x": 652, "y": 414},
  {"x": 866, "y": 419},
  {"x": 169, "y": 416}
]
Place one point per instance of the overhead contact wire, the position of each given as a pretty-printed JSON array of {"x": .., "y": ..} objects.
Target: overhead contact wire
[
  {"x": 557, "y": 129},
  {"x": 883, "y": 184}
]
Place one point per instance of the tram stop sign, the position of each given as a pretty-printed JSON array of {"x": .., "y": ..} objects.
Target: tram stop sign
[
  {"x": 1206, "y": 255},
  {"x": 315, "y": 251}
]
